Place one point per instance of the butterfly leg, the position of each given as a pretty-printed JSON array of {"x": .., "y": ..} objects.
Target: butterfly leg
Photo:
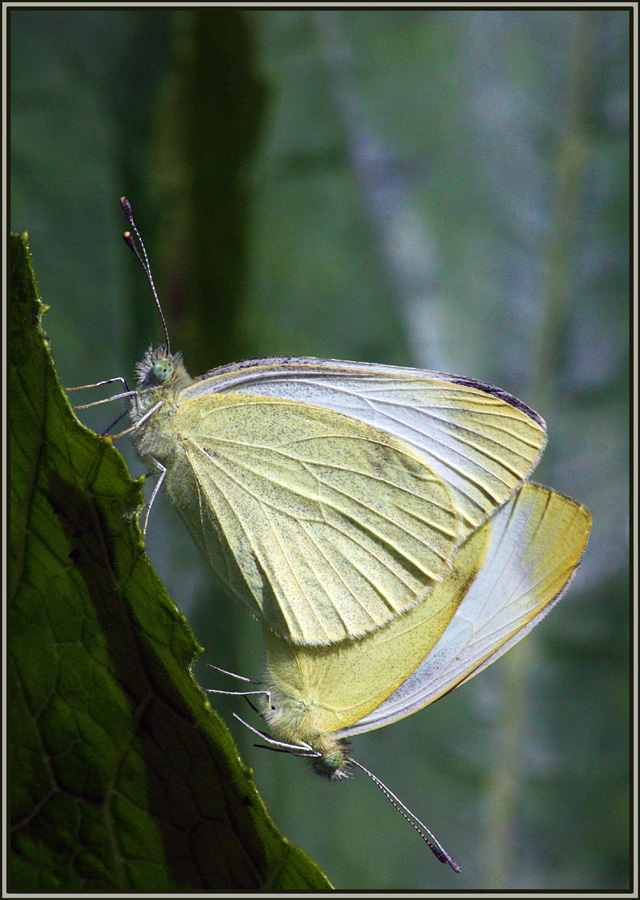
[
  {"x": 163, "y": 472},
  {"x": 245, "y": 694}
]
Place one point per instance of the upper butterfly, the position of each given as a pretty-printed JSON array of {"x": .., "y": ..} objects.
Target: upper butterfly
[{"x": 329, "y": 496}]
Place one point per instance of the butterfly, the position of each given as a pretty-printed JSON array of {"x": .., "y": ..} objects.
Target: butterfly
[
  {"x": 328, "y": 496},
  {"x": 502, "y": 580}
]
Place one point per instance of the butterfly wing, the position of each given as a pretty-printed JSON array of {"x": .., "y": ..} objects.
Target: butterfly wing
[
  {"x": 534, "y": 545},
  {"x": 325, "y": 526},
  {"x": 481, "y": 441},
  {"x": 323, "y": 690}
]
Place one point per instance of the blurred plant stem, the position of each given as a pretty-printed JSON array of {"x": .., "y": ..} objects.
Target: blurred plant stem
[
  {"x": 207, "y": 126},
  {"x": 558, "y": 263}
]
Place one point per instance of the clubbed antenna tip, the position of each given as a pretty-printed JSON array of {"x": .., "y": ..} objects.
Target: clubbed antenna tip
[{"x": 143, "y": 259}]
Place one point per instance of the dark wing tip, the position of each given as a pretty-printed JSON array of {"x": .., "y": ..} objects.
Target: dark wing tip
[{"x": 502, "y": 395}]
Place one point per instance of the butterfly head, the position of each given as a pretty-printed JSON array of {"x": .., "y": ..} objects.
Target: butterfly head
[
  {"x": 159, "y": 368},
  {"x": 333, "y": 761},
  {"x": 161, "y": 377}
]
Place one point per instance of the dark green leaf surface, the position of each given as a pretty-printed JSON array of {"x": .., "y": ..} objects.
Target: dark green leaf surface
[{"x": 122, "y": 778}]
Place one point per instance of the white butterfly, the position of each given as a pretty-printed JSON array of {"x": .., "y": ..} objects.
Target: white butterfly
[
  {"x": 328, "y": 496},
  {"x": 501, "y": 582}
]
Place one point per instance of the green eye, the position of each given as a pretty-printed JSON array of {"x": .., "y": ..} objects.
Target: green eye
[
  {"x": 161, "y": 371},
  {"x": 334, "y": 766}
]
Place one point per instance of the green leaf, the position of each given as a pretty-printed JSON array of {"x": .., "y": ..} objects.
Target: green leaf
[{"x": 122, "y": 778}]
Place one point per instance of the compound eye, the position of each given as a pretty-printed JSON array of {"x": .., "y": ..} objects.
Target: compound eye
[{"x": 161, "y": 371}]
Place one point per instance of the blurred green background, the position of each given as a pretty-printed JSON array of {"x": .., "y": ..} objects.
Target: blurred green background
[{"x": 441, "y": 188}]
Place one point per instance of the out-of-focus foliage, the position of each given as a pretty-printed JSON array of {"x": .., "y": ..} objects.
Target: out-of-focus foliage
[{"x": 447, "y": 188}]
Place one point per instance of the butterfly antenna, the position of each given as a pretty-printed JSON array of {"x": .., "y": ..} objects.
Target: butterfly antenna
[
  {"x": 434, "y": 845},
  {"x": 144, "y": 261},
  {"x": 304, "y": 749}
]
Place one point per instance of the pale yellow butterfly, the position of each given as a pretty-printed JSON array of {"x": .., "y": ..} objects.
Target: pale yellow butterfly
[
  {"x": 328, "y": 496},
  {"x": 500, "y": 582}
]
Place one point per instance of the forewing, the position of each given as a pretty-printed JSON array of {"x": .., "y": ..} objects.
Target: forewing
[
  {"x": 327, "y": 527},
  {"x": 535, "y": 544},
  {"x": 481, "y": 441}
]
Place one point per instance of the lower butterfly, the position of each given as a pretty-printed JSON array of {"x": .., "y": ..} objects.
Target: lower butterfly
[
  {"x": 500, "y": 583},
  {"x": 503, "y": 580}
]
